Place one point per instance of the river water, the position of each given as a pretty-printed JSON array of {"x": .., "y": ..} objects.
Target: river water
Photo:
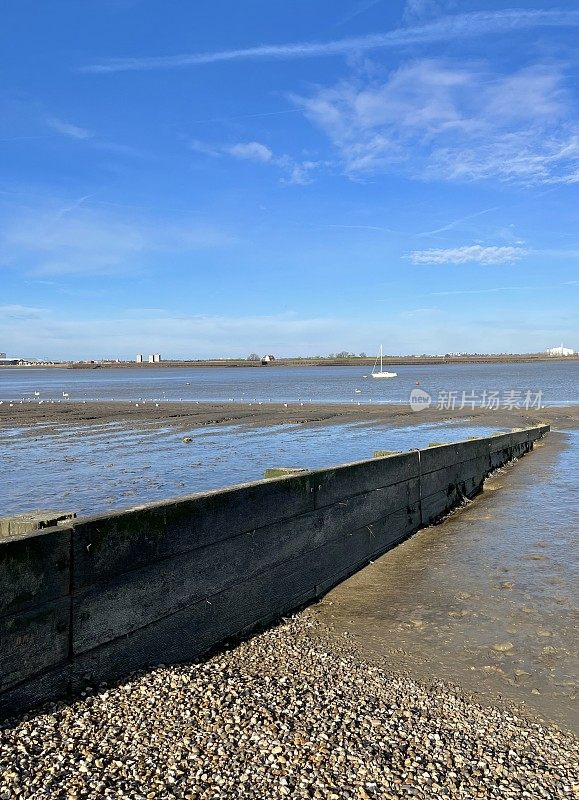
[
  {"x": 487, "y": 600},
  {"x": 555, "y": 383},
  {"x": 92, "y": 468}
]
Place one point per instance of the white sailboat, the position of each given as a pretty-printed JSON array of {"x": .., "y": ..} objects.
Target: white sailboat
[{"x": 381, "y": 373}]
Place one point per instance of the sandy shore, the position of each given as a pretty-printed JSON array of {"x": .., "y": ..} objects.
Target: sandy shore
[{"x": 185, "y": 415}]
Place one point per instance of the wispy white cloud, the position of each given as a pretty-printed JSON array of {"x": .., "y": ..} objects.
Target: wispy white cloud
[
  {"x": 56, "y": 239},
  {"x": 457, "y": 222},
  {"x": 91, "y": 138},
  {"x": 433, "y": 119},
  {"x": 419, "y": 313},
  {"x": 499, "y": 289},
  {"x": 205, "y": 148},
  {"x": 359, "y": 8},
  {"x": 362, "y": 228},
  {"x": 301, "y": 173},
  {"x": 469, "y": 254},
  {"x": 420, "y": 10},
  {"x": 460, "y": 26},
  {"x": 296, "y": 172},
  {"x": 493, "y": 290},
  {"x": 251, "y": 151},
  {"x": 16, "y": 311},
  {"x": 67, "y": 129}
]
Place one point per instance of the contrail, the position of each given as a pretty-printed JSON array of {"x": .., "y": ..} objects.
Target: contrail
[{"x": 449, "y": 27}]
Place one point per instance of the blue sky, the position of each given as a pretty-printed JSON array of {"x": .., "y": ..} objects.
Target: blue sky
[{"x": 217, "y": 178}]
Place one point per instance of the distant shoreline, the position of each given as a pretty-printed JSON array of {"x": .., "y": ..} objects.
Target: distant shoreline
[{"x": 307, "y": 362}]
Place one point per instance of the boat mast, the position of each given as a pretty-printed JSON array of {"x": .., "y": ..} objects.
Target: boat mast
[{"x": 381, "y": 368}]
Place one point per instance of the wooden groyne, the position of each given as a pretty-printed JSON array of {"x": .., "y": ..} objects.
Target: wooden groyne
[{"x": 91, "y": 600}]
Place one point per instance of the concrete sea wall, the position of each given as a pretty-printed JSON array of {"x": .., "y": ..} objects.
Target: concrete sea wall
[{"x": 90, "y": 600}]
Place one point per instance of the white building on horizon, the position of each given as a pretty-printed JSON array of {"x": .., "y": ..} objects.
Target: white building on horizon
[{"x": 560, "y": 351}]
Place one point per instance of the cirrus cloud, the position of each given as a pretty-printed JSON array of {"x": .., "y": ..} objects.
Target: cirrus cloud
[
  {"x": 470, "y": 254},
  {"x": 435, "y": 119},
  {"x": 68, "y": 129}
]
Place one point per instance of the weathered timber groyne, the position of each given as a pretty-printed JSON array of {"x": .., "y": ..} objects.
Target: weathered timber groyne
[{"x": 92, "y": 600}]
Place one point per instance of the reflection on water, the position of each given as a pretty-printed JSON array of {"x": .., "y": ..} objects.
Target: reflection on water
[
  {"x": 486, "y": 599},
  {"x": 90, "y": 468}
]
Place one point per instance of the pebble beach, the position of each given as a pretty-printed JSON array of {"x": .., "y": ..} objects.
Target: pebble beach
[{"x": 291, "y": 712}]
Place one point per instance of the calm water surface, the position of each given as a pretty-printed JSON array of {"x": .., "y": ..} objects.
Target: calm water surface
[
  {"x": 557, "y": 381},
  {"x": 90, "y": 468}
]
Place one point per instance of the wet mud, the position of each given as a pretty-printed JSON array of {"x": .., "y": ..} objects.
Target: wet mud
[{"x": 486, "y": 599}]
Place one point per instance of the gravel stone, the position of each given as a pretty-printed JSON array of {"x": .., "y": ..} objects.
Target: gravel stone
[{"x": 288, "y": 713}]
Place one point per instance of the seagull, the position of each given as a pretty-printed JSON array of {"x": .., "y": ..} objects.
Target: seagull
[{"x": 65, "y": 394}]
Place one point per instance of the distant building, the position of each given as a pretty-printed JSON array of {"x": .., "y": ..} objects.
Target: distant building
[
  {"x": 560, "y": 351},
  {"x": 267, "y": 359},
  {"x": 2, "y": 355},
  {"x": 139, "y": 358},
  {"x": 154, "y": 358}
]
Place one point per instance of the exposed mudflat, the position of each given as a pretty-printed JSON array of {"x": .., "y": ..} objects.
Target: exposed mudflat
[{"x": 185, "y": 415}]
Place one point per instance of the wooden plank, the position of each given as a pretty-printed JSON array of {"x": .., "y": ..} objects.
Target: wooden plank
[
  {"x": 135, "y": 599},
  {"x": 111, "y": 544},
  {"x": 193, "y": 630},
  {"x": 338, "y": 483},
  {"x": 442, "y": 479},
  {"x": 33, "y": 641},
  {"x": 34, "y": 568},
  {"x": 435, "y": 458},
  {"x": 42, "y": 688}
]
